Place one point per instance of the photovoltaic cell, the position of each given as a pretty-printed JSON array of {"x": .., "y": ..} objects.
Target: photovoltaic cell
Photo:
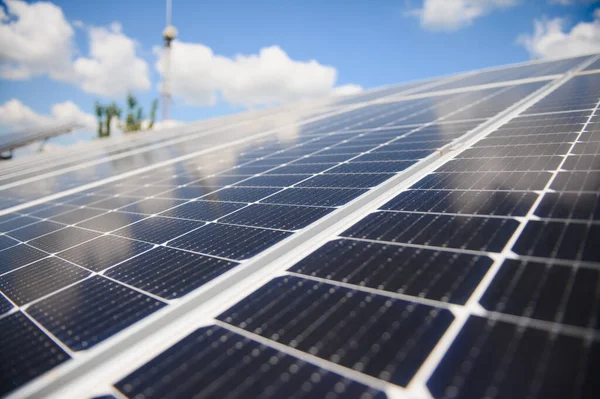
[
  {"x": 203, "y": 210},
  {"x": 524, "y": 181},
  {"x": 562, "y": 240},
  {"x": 284, "y": 217},
  {"x": 498, "y": 203},
  {"x": 35, "y": 230},
  {"x": 89, "y": 312},
  {"x": 160, "y": 271},
  {"x": 27, "y": 352},
  {"x": 18, "y": 256},
  {"x": 243, "y": 369},
  {"x": 556, "y": 293},
  {"x": 39, "y": 279},
  {"x": 462, "y": 232},
  {"x": 422, "y": 273},
  {"x": 7, "y": 242},
  {"x": 5, "y": 305},
  {"x": 233, "y": 242},
  {"x": 62, "y": 239},
  {"x": 494, "y": 358},
  {"x": 314, "y": 196},
  {"x": 103, "y": 252},
  {"x": 346, "y": 180},
  {"x": 240, "y": 194},
  {"x": 343, "y": 325},
  {"x": 158, "y": 230}
]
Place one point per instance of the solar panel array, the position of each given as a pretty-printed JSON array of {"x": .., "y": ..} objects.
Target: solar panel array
[
  {"x": 434, "y": 239},
  {"x": 10, "y": 141}
]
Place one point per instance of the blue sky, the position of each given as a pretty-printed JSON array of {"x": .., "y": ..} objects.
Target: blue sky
[{"x": 356, "y": 43}]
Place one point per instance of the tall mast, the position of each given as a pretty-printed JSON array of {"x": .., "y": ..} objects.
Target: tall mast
[{"x": 169, "y": 35}]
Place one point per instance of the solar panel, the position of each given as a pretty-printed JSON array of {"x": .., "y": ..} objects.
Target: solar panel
[
  {"x": 10, "y": 141},
  {"x": 433, "y": 239}
]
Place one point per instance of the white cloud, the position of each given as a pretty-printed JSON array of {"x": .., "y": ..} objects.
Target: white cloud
[
  {"x": 113, "y": 68},
  {"x": 35, "y": 39},
  {"x": 347, "y": 90},
  {"x": 449, "y": 15},
  {"x": 201, "y": 77},
  {"x": 573, "y": 2},
  {"x": 16, "y": 115},
  {"x": 169, "y": 123},
  {"x": 68, "y": 112},
  {"x": 552, "y": 39}
]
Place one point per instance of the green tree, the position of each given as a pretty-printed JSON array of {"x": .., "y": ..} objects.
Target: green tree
[
  {"x": 133, "y": 121},
  {"x": 105, "y": 115}
]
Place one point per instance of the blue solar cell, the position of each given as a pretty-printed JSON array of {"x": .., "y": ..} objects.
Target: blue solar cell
[
  {"x": 422, "y": 273},
  {"x": 103, "y": 252},
  {"x": 499, "y": 203},
  {"x": 341, "y": 325},
  {"x": 18, "y": 256},
  {"x": 284, "y": 217},
  {"x": 5, "y": 305},
  {"x": 89, "y": 312},
  {"x": 246, "y": 369},
  {"x": 538, "y": 290},
  {"x": 314, "y": 196},
  {"x": 233, "y": 242},
  {"x": 532, "y": 363},
  {"x": 34, "y": 230},
  {"x": 26, "y": 352},
  {"x": 39, "y": 279},
  {"x": 169, "y": 273},
  {"x": 464, "y": 232},
  {"x": 158, "y": 230},
  {"x": 203, "y": 210}
]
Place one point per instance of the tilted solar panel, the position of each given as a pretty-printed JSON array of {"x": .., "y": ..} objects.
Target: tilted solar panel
[{"x": 430, "y": 245}]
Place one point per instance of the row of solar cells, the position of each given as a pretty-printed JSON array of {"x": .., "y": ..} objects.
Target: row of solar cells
[
  {"x": 477, "y": 104},
  {"x": 253, "y": 214},
  {"x": 431, "y": 243}
]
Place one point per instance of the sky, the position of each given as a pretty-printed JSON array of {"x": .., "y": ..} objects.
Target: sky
[{"x": 57, "y": 58}]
